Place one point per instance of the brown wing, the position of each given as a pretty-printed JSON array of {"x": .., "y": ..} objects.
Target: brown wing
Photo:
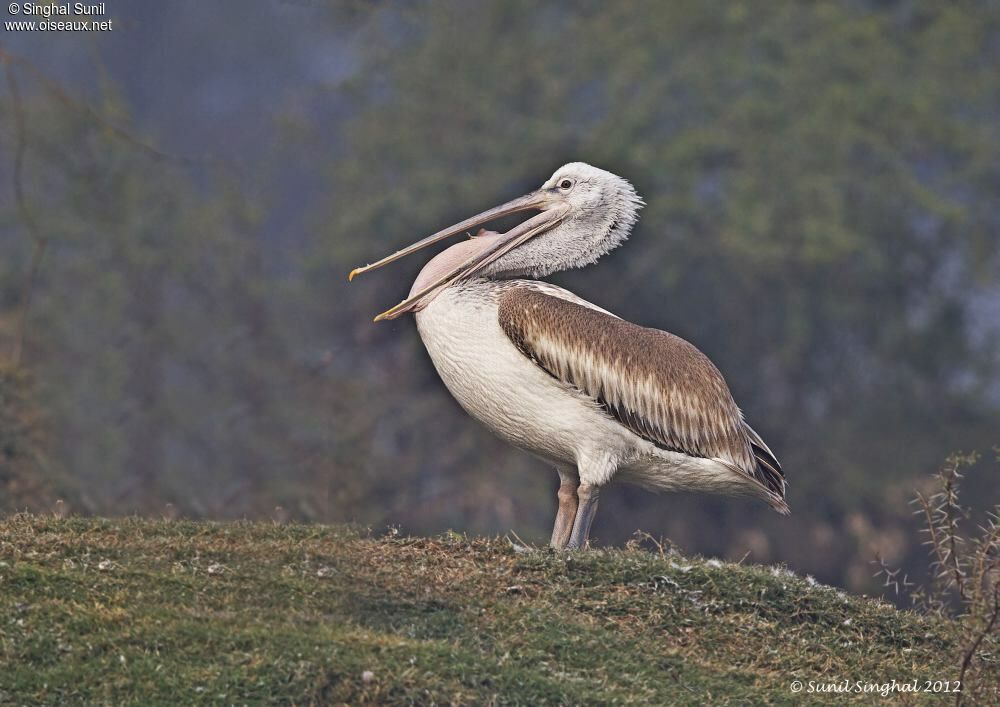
[{"x": 656, "y": 384}]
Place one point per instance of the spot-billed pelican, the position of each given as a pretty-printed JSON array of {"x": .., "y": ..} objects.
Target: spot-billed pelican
[{"x": 597, "y": 397}]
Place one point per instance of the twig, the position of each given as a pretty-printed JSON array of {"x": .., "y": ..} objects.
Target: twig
[
  {"x": 985, "y": 566},
  {"x": 971, "y": 652},
  {"x": 951, "y": 508},
  {"x": 524, "y": 546}
]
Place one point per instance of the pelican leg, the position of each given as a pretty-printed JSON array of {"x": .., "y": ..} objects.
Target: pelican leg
[
  {"x": 568, "y": 483},
  {"x": 587, "y": 495}
]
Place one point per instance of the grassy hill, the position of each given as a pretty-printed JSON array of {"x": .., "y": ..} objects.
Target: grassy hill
[{"x": 146, "y": 612}]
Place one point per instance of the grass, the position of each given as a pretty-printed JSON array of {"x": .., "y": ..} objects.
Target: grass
[{"x": 174, "y": 612}]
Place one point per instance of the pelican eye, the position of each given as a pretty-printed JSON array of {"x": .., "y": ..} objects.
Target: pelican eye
[{"x": 566, "y": 184}]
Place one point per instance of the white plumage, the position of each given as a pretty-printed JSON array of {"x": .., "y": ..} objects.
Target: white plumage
[{"x": 596, "y": 397}]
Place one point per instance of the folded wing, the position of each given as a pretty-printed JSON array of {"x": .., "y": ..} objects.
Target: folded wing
[{"x": 654, "y": 383}]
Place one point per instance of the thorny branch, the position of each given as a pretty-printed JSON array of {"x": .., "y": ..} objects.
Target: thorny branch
[
  {"x": 968, "y": 572},
  {"x": 974, "y": 646},
  {"x": 941, "y": 514},
  {"x": 892, "y": 578}
]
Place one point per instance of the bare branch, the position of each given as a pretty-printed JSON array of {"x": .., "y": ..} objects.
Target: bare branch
[
  {"x": 39, "y": 242},
  {"x": 57, "y": 90}
]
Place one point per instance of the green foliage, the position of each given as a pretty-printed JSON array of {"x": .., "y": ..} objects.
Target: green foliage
[
  {"x": 151, "y": 306},
  {"x": 147, "y": 612}
]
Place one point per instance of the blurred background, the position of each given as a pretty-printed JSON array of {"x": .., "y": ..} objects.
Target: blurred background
[{"x": 182, "y": 197}]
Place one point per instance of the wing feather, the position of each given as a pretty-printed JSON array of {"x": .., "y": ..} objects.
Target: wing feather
[{"x": 654, "y": 383}]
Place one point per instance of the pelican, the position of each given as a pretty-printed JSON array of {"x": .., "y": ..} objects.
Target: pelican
[{"x": 596, "y": 397}]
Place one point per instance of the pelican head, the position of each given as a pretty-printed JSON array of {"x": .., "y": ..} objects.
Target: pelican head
[{"x": 584, "y": 212}]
